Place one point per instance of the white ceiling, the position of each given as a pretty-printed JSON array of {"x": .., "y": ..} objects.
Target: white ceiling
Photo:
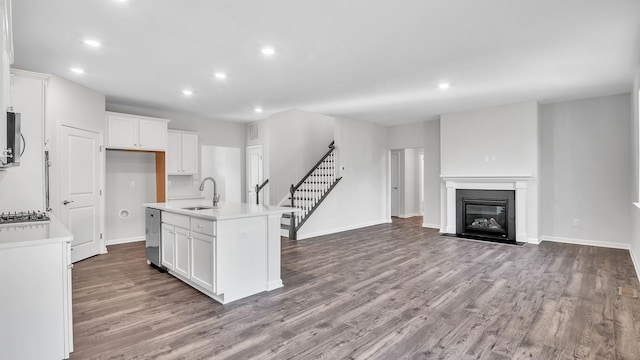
[{"x": 374, "y": 60}]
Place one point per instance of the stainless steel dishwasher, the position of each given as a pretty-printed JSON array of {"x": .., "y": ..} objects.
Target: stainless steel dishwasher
[{"x": 153, "y": 234}]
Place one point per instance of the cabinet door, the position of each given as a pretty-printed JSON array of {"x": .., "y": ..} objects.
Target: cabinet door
[
  {"x": 153, "y": 135},
  {"x": 122, "y": 132},
  {"x": 189, "y": 154},
  {"x": 203, "y": 267},
  {"x": 173, "y": 154},
  {"x": 168, "y": 246},
  {"x": 182, "y": 252}
]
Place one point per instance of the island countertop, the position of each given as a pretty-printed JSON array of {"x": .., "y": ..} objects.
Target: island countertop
[
  {"x": 224, "y": 211},
  {"x": 33, "y": 233}
]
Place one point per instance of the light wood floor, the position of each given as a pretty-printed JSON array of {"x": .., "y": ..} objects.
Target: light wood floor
[{"x": 390, "y": 291}]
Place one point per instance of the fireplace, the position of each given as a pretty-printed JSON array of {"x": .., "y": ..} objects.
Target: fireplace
[{"x": 486, "y": 214}]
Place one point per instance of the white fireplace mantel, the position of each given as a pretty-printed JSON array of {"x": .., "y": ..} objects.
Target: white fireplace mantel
[{"x": 494, "y": 182}]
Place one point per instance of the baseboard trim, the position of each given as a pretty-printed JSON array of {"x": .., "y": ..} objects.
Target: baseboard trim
[
  {"x": 597, "y": 243},
  {"x": 406, "y": 216},
  {"x": 636, "y": 264},
  {"x": 431, "y": 226},
  {"x": 341, "y": 229},
  {"x": 534, "y": 241},
  {"x": 124, "y": 240}
]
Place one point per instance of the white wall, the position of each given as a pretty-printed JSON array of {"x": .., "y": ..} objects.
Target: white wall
[
  {"x": 294, "y": 142},
  {"x": 496, "y": 141},
  {"x": 424, "y": 135},
  {"x": 22, "y": 187},
  {"x": 635, "y": 178},
  {"x": 585, "y": 151},
  {"x": 360, "y": 198},
  {"x": 130, "y": 182},
  {"x": 433, "y": 186},
  {"x": 224, "y": 165},
  {"x": 412, "y": 184},
  {"x": 407, "y": 136},
  {"x": 508, "y": 133},
  {"x": 72, "y": 104}
]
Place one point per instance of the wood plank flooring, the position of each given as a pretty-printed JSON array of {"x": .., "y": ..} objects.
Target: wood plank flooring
[{"x": 390, "y": 291}]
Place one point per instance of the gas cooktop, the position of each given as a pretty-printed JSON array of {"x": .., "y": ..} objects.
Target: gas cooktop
[{"x": 23, "y": 217}]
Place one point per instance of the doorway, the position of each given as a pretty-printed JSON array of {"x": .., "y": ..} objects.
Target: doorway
[
  {"x": 255, "y": 174},
  {"x": 406, "y": 183},
  {"x": 80, "y": 179}
]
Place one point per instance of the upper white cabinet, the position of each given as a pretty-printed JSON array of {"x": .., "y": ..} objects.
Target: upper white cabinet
[
  {"x": 134, "y": 132},
  {"x": 6, "y": 59},
  {"x": 182, "y": 153}
]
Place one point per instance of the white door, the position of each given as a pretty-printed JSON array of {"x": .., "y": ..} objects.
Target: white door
[
  {"x": 395, "y": 181},
  {"x": 80, "y": 171},
  {"x": 254, "y": 174}
]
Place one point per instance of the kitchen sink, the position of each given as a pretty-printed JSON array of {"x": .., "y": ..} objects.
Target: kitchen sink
[{"x": 195, "y": 208}]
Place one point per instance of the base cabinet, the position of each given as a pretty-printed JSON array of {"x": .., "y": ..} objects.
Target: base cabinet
[
  {"x": 203, "y": 255},
  {"x": 168, "y": 246},
  {"x": 182, "y": 254},
  {"x": 35, "y": 302}
]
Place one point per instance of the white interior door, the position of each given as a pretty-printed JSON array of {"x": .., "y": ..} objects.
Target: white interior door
[
  {"x": 80, "y": 171},
  {"x": 395, "y": 182},
  {"x": 254, "y": 174}
]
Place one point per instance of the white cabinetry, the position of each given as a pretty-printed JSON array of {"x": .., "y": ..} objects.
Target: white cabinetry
[
  {"x": 168, "y": 246},
  {"x": 35, "y": 296},
  {"x": 134, "y": 132},
  {"x": 6, "y": 59},
  {"x": 182, "y": 153},
  {"x": 188, "y": 249}
]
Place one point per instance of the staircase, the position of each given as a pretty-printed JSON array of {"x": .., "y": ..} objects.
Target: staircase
[{"x": 309, "y": 193}]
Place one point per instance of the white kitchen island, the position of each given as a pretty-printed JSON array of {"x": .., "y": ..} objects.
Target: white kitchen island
[{"x": 228, "y": 252}]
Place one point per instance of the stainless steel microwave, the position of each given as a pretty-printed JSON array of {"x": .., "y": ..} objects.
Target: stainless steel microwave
[{"x": 14, "y": 140}]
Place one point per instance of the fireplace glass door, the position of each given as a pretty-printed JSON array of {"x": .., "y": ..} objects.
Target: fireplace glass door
[{"x": 485, "y": 217}]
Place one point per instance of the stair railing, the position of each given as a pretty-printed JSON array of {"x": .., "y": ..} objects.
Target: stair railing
[
  {"x": 314, "y": 187},
  {"x": 258, "y": 188}
]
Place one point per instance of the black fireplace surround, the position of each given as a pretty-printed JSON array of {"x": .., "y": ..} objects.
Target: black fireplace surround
[{"x": 486, "y": 214}]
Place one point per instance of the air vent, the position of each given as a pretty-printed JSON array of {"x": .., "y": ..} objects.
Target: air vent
[
  {"x": 253, "y": 131},
  {"x": 627, "y": 291}
]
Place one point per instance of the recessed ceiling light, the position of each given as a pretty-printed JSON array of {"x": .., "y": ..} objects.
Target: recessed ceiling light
[
  {"x": 269, "y": 51},
  {"x": 258, "y": 109},
  {"x": 92, "y": 43},
  {"x": 220, "y": 75},
  {"x": 443, "y": 86},
  {"x": 77, "y": 70},
  {"x": 187, "y": 92}
]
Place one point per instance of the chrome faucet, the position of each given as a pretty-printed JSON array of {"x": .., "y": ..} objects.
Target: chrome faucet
[{"x": 216, "y": 196}]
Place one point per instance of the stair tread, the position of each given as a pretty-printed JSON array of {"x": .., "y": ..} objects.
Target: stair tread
[{"x": 284, "y": 227}]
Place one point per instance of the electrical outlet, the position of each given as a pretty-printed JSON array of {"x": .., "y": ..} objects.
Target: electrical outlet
[
  {"x": 486, "y": 158},
  {"x": 576, "y": 222},
  {"x": 132, "y": 184},
  {"x": 493, "y": 158}
]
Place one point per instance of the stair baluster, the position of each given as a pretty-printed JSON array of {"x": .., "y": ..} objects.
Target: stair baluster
[{"x": 312, "y": 190}]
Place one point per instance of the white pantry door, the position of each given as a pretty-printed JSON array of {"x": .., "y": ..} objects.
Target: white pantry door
[
  {"x": 80, "y": 190},
  {"x": 395, "y": 182},
  {"x": 254, "y": 174}
]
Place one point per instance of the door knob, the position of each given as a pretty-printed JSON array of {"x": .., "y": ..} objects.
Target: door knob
[{"x": 67, "y": 202}]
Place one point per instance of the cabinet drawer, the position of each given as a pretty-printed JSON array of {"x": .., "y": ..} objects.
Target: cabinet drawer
[
  {"x": 175, "y": 219},
  {"x": 202, "y": 226}
]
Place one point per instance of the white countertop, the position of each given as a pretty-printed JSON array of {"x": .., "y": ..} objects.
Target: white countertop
[
  {"x": 34, "y": 233},
  {"x": 223, "y": 211}
]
